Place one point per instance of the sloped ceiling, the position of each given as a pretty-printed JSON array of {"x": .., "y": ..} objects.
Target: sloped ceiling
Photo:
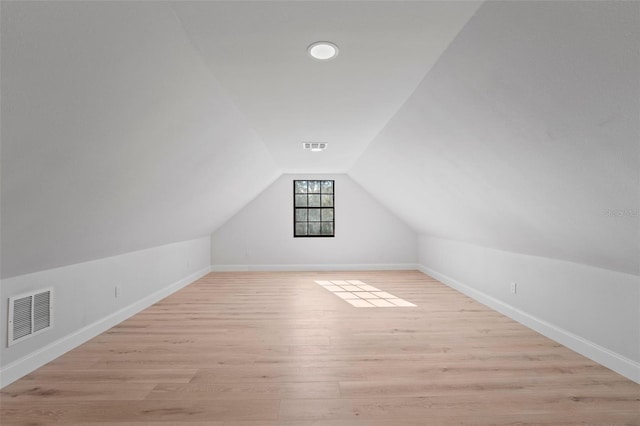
[
  {"x": 127, "y": 125},
  {"x": 257, "y": 50},
  {"x": 115, "y": 135},
  {"x": 524, "y": 136}
]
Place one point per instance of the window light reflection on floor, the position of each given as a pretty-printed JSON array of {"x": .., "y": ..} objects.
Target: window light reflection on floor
[{"x": 362, "y": 295}]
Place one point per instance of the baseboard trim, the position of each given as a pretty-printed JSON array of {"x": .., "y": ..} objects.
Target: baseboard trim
[
  {"x": 25, "y": 365},
  {"x": 612, "y": 360},
  {"x": 316, "y": 267}
]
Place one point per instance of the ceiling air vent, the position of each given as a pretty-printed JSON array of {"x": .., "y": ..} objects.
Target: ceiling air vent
[
  {"x": 29, "y": 314},
  {"x": 315, "y": 146}
]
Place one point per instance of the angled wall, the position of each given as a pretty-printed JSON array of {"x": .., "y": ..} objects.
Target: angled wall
[
  {"x": 115, "y": 135},
  {"x": 524, "y": 136},
  {"x": 260, "y": 236}
]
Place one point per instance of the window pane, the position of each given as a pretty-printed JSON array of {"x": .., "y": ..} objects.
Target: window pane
[
  {"x": 314, "y": 228},
  {"x": 301, "y": 200},
  {"x": 327, "y": 186},
  {"x": 301, "y": 186},
  {"x": 301, "y": 229},
  {"x": 327, "y": 215},
  {"x": 314, "y": 215},
  {"x": 301, "y": 215},
  {"x": 314, "y": 205},
  {"x": 327, "y": 228},
  {"x": 314, "y": 186}
]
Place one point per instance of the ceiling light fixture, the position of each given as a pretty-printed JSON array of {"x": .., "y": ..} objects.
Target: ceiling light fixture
[{"x": 323, "y": 50}]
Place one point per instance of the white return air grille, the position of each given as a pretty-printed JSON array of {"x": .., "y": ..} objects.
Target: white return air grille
[
  {"x": 30, "y": 314},
  {"x": 315, "y": 146}
]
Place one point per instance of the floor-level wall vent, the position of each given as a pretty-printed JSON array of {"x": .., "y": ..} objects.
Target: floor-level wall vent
[{"x": 29, "y": 314}]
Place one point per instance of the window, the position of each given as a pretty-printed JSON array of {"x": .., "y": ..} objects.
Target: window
[{"x": 313, "y": 208}]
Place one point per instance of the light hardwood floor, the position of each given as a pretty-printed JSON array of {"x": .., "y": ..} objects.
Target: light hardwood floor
[{"x": 267, "y": 349}]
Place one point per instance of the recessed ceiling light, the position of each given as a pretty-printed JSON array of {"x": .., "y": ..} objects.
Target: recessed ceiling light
[{"x": 323, "y": 50}]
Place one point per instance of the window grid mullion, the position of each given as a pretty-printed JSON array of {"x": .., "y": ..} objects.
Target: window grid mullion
[{"x": 320, "y": 208}]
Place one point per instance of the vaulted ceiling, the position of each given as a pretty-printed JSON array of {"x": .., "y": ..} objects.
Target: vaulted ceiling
[
  {"x": 127, "y": 125},
  {"x": 257, "y": 51}
]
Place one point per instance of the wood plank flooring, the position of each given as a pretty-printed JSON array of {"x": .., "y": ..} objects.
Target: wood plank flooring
[{"x": 276, "y": 349}]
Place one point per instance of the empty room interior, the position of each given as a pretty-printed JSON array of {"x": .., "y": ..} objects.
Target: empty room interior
[{"x": 330, "y": 213}]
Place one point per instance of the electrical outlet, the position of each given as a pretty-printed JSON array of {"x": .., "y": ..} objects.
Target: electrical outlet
[
  {"x": 513, "y": 288},
  {"x": 117, "y": 291}
]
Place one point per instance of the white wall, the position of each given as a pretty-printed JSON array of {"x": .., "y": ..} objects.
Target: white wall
[
  {"x": 260, "y": 236},
  {"x": 84, "y": 298},
  {"x": 591, "y": 310}
]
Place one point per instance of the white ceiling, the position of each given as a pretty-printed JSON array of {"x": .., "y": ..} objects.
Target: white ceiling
[
  {"x": 525, "y": 136},
  {"x": 127, "y": 125},
  {"x": 115, "y": 135},
  {"x": 257, "y": 51}
]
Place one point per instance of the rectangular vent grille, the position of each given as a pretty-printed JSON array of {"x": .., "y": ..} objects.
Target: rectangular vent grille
[
  {"x": 41, "y": 311},
  {"x": 29, "y": 314},
  {"x": 314, "y": 146},
  {"x": 22, "y": 317}
]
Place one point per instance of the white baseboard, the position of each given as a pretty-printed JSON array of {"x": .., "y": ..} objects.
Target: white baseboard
[
  {"x": 612, "y": 360},
  {"x": 25, "y": 365},
  {"x": 316, "y": 267}
]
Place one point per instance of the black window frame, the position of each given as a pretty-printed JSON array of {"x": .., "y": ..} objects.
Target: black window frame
[{"x": 307, "y": 207}]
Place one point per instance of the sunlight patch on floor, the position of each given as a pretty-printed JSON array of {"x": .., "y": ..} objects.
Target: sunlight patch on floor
[{"x": 363, "y": 295}]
